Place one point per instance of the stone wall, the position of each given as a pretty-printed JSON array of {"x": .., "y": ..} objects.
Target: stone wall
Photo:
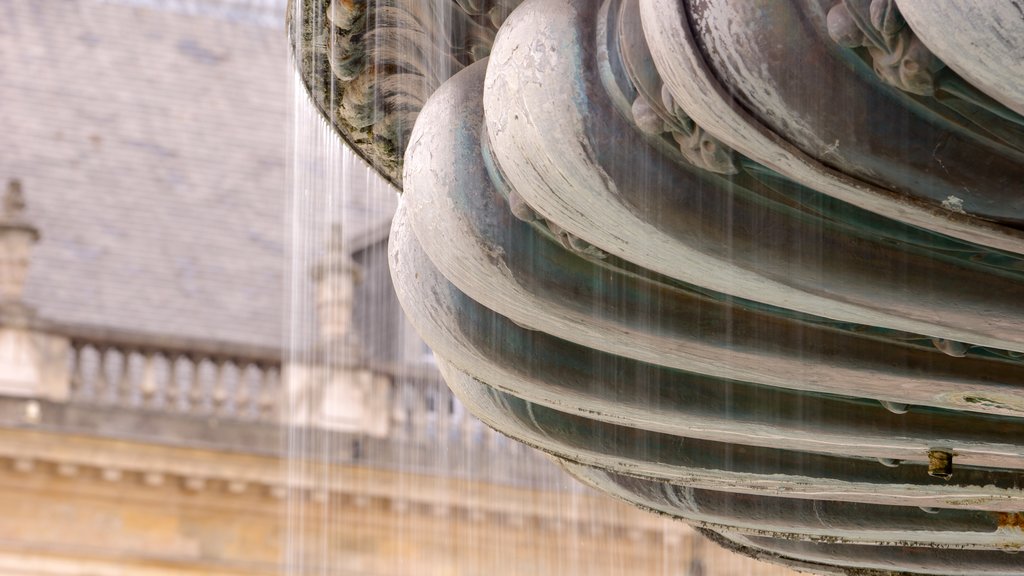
[{"x": 77, "y": 505}]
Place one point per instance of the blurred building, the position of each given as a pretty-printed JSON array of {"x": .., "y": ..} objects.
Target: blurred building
[{"x": 145, "y": 426}]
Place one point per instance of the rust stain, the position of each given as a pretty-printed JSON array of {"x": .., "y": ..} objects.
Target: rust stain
[
  {"x": 1011, "y": 520},
  {"x": 940, "y": 464}
]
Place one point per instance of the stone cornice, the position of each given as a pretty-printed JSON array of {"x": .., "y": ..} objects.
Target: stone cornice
[
  {"x": 170, "y": 345},
  {"x": 144, "y": 468}
]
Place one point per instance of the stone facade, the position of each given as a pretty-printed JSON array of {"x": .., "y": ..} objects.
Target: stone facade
[
  {"x": 86, "y": 505},
  {"x": 104, "y": 479}
]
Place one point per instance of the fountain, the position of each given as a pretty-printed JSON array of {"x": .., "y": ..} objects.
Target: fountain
[{"x": 751, "y": 264}]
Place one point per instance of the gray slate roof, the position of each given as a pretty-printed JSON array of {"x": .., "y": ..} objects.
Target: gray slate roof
[{"x": 152, "y": 145}]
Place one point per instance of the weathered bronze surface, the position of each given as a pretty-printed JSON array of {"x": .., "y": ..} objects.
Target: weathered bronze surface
[{"x": 753, "y": 264}]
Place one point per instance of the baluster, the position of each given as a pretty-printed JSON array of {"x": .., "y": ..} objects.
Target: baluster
[
  {"x": 399, "y": 411},
  {"x": 196, "y": 389},
  {"x": 236, "y": 390},
  {"x": 443, "y": 406},
  {"x": 101, "y": 384},
  {"x": 244, "y": 400},
  {"x": 269, "y": 389},
  {"x": 255, "y": 378},
  {"x": 77, "y": 370},
  {"x": 420, "y": 416},
  {"x": 172, "y": 392},
  {"x": 398, "y": 416},
  {"x": 123, "y": 393},
  {"x": 148, "y": 386},
  {"x": 410, "y": 398},
  {"x": 219, "y": 397}
]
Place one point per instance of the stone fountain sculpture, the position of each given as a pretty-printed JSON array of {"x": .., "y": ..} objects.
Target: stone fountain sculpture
[{"x": 754, "y": 264}]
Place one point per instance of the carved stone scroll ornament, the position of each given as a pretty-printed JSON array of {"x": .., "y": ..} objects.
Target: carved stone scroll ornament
[
  {"x": 898, "y": 56},
  {"x": 654, "y": 110},
  {"x": 698, "y": 147},
  {"x": 521, "y": 210},
  {"x": 976, "y": 40},
  {"x": 901, "y": 59},
  {"x": 708, "y": 73},
  {"x": 369, "y": 65}
]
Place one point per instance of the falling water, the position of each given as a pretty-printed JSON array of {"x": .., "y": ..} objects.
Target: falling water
[{"x": 414, "y": 484}]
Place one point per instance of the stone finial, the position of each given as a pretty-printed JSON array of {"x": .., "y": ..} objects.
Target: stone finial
[
  {"x": 335, "y": 276},
  {"x": 17, "y": 235},
  {"x": 14, "y": 200}
]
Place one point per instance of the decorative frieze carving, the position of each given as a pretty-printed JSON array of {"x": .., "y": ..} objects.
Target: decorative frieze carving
[
  {"x": 23, "y": 465},
  {"x": 67, "y": 469},
  {"x": 237, "y": 486},
  {"x": 211, "y": 477}
]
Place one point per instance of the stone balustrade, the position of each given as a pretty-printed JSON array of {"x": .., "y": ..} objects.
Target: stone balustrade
[
  {"x": 424, "y": 410},
  {"x": 134, "y": 371},
  {"x": 93, "y": 368}
]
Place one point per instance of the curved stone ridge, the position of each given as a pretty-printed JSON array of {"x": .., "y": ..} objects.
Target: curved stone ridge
[
  {"x": 979, "y": 45},
  {"x": 784, "y": 307}
]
